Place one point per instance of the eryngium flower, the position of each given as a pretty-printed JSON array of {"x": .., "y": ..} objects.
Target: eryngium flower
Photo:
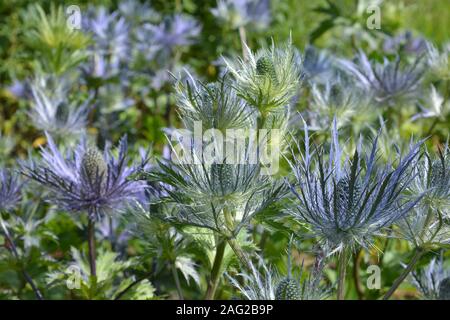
[
  {"x": 428, "y": 223},
  {"x": 87, "y": 179},
  {"x": 265, "y": 283},
  {"x": 439, "y": 61},
  {"x": 216, "y": 105},
  {"x": 436, "y": 107},
  {"x": 345, "y": 203},
  {"x": 10, "y": 190},
  {"x": 432, "y": 178},
  {"x": 268, "y": 78},
  {"x": 389, "y": 83},
  {"x": 433, "y": 281},
  {"x": 178, "y": 30},
  {"x": 243, "y": 13},
  {"x": 111, "y": 45},
  {"x": 222, "y": 197},
  {"x": 336, "y": 99},
  {"x": 317, "y": 65},
  {"x": 51, "y": 112}
]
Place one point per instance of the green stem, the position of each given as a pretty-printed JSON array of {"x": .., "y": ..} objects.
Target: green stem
[
  {"x": 433, "y": 125},
  {"x": 15, "y": 253},
  {"x": 243, "y": 38},
  {"x": 342, "y": 268},
  {"x": 177, "y": 281},
  {"x": 91, "y": 244},
  {"x": 418, "y": 253},
  {"x": 215, "y": 271},
  {"x": 242, "y": 256},
  {"x": 356, "y": 264}
]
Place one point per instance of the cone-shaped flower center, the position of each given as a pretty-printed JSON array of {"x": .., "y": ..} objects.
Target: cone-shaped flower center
[
  {"x": 62, "y": 113},
  {"x": 438, "y": 175},
  {"x": 287, "y": 289},
  {"x": 94, "y": 167},
  {"x": 265, "y": 67}
]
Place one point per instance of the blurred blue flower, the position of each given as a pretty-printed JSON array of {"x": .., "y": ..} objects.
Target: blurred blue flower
[
  {"x": 53, "y": 111},
  {"x": 428, "y": 281},
  {"x": 317, "y": 65},
  {"x": 243, "y": 13},
  {"x": 391, "y": 82},
  {"x": 111, "y": 41},
  {"x": 10, "y": 190},
  {"x": 405, "y": 42},
  {"x": 137, "y": 13},
  {"x": 174, "y": 31}
]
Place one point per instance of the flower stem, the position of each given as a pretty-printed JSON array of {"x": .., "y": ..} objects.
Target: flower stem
[
  {"x": 13, "y": 250},
  {"x": 177, "y": 282},
  {"x": 215, "y": 271},
  {"x": 242, "y": 256},
  {"x": 243, "y": 38},
  {"x": 417, "y": 255},
  {"x": 91, "y": 244},
  {"x": 356, "y": 266},
  {"x": 342, "y": 268}
]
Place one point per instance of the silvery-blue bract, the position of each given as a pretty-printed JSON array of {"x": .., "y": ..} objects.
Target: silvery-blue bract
[{"x": 344, "y": 203}]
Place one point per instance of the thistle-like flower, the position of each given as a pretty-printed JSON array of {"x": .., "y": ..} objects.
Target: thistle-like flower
[
  {"x": 432, "y": 178},
  {"x": 243, "y": 13},
  {"x": 433, "y": 283},
  {"x": 428, "y": 223},
  {"x": 265, "y": 283},
  {"x": 436, "y": 107},
  {"x": 316, "y": 65},
  {"x": 345, "y": 203},
  {"x": 51, "y": 112},
  {"x": 222, "y": 197},
  {"x": 216, "y": 105},
  {"x": 87, "y": 179},
  {"x": 178, "y": 30},
  {"x": 335, "y": 100},
  {"x": 267, "y": 79},
  {"x": 405, "y": 42},
  {"x": 439, "y": 61},
  {"x": 111, "y": 46},
  {"x": 10, "y": 190},
  {"x": 390, "y": 83}
]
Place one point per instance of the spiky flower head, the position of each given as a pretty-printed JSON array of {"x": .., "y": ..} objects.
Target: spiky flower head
[
  {"x": 243, "y": 13},
  {"x": 432, "y": 280},
  {"x": 220, "y": 195},
  {"x": 287, "y": 289},
  {"x": 438, "y": 61},
  {"x": 432, "y": 177},
  {"x": 174, "y": 31},
  {"x": 87, "y": 180},
  {"x": 51, "y": 110},
  {"x": 316, "y": 66},
  {"x": 216, "y": 105},
  {"x": 263, "y": 282},
  {"x": 269, "y": 78},
  {"x": 391, "y": 82},
  {"x": 428, "y": 224},
  {"x": 336, "y": 99},
  {"x": 111, "y": 47},
  {"x": 10, "y": 190},
  {"x": 346, "y": 202}
]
